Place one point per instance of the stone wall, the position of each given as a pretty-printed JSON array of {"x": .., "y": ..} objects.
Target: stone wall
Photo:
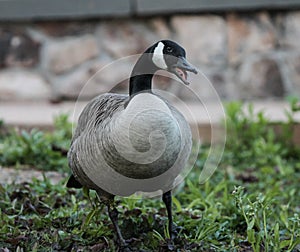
[{"x": 246, "y": 56}]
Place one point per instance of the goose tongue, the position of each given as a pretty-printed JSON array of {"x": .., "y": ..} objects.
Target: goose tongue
[
  {"x": 182, "y": 73},
  {"x": 181, "y": 67}
]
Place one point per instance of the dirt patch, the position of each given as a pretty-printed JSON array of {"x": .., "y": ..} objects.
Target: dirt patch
[{"x": 18, "y": 176}]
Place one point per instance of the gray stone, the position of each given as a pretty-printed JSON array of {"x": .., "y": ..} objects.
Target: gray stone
[
  {"x": 125, "y": 38},
  {"x": 249, "y": 34},
  {"x": 203, "y": 37},
  {"x": 238, "y": 52},
  {"x": 291, "y": 67},
  {"x": 291, "y": 36},
  {"x": 93, "y": 79},
  {"x": 160, "y": 27},
  {"x": 219, "y": 82},
  {"x": 65, "y": 54},
  {"x": 260, "y": 77},
  {"x": 17, "y": 48},
  {"x": 203, "y": 86},
  {"x": 67, "y": 28},
  {"x": 18, "y": 84},
  {"x": 232, "y": 85}
]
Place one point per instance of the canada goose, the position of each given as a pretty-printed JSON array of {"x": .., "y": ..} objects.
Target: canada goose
[{"x": 124, "y": 144}]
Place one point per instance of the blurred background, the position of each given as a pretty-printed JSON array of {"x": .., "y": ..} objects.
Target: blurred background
[{"x": 249, "y": 49}]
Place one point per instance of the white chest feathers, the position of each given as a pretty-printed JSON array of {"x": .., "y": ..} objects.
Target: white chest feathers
[{"x": 146, "y": 131}]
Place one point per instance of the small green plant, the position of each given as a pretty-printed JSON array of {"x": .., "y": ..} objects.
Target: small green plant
[
  {"x": 36, "y": 148},
  {"x": 252, "y": 136},
  {"x": 260, "y": 233},
  {"x": 62, "y": 134}
]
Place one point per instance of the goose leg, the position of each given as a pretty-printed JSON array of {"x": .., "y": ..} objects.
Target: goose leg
[
  {"x": 108, "y": 200},
  {"x": 113, "y": 215},
  {"x": 167, "y": 199}
]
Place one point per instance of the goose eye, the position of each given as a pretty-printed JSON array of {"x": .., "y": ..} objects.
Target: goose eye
[{"x": 169, "y": 49}]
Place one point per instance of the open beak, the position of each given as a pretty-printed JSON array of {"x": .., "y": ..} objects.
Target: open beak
[{"x": 181, "y": 68}]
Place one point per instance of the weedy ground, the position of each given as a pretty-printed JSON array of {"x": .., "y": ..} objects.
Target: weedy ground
[{"x": 251, "y": 202}]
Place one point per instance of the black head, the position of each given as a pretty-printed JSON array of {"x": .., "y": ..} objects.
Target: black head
[{"x": 168, "y": 55}]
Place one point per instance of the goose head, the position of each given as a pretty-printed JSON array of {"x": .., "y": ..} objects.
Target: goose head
[
  {"x": 168, "y": 55},
  {"x": 163, "y": 55}
]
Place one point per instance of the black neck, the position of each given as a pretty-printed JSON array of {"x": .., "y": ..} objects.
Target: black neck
[
  {"x": 140, "y": 83},
  {"x": 142, "y": 74}
]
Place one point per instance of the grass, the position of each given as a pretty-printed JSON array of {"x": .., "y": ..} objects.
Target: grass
[
  {"x": 251, "y": 203},
  {"x": 37, "y": 148}
]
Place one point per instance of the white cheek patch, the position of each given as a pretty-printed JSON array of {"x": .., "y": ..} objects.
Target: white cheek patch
[{"x": 158, "y": 56}]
